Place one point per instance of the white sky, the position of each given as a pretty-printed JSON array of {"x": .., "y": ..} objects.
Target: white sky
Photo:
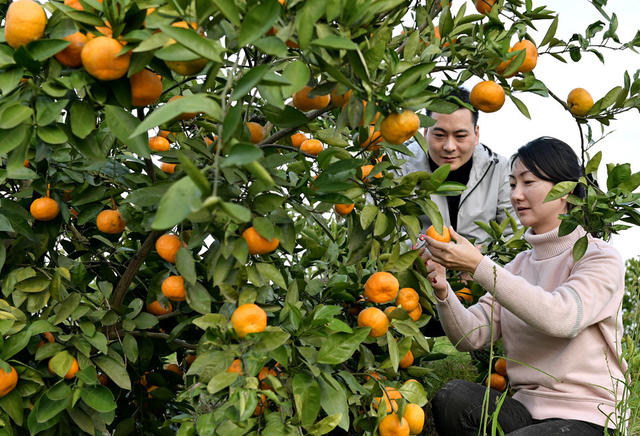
[{"x": 504, "y": 131}]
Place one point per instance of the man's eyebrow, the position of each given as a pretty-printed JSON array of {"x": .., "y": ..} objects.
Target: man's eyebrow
[{"x": 440, "y": 129}]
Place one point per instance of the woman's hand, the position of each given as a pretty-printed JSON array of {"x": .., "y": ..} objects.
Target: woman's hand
[
  {"x": 461, "y": 256},
  {"x": 437, "y": 275}
]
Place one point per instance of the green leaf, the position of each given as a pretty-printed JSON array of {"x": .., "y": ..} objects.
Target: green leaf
[
  {"x": 67, "y": 307},
  {"x": 242, "y": 154},
  {"x": 520, "y": 105},
  {"x": 198, "y": 298},
  {"x": 257, "y": 21},
  {"x": 248, "y": 81},
  {"x": 237, "y": 212},
  {"x": 52, "y": 134},
  {"x": 297, "y": 73},
  {"x": 229, "y": 10},
  {"x": 335, "y": 41},
  {"x": 14, "y": 344},
  {"x": 306, "y": 18},
  {"x": 12, "y": 138},
  {"x": 11, "y": 403},
  {"x": 404, "y": 262},
  {"x": 98, "y": 397},
  {"x": 33, "y": 284},
  {"x": 551, "y": 32},
  {"x": 82, "y": 420},
  {"x": 186, "y": 265},
  {"x": 339, "y": 347},
  {"x": 114, "y": 370},
  {"x": 411, "y": 76},
  {"x": 271, "y": 273},
  {"x": 220, "y": 381},
  {"x": 43, "y": 49},
  {"x": 130, "y": 347},
  {"x": 186, "y": 104},
  {"x": 270, "y": 339},
  {"x": 122, "y": 124},
  {"x": 580, "y": 247},
  {"x": 47, "y": 110},
  {"x": 189, "y": 38},
  {"x": 594, "y": 163},
  {"x": 334, "y": 400},
  {"x": 13, "y": 114},
  {"x": 196, "y": 175},
  {"x": 182, "y": 198},
  {"x": 393, "y": 351},
  {"x": 560, "y": 190},
  {"x": 368, "y": 215},
  {"x": 83, "y": 119},
  {"x": 306, "y": 395},
  {"x": 61, "y": 363}
]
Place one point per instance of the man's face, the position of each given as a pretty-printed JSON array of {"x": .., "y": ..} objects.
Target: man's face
[{"x": 452, "y": 138}]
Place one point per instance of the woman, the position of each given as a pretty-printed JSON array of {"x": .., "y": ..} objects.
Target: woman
[{"x": 559, "y": 320}]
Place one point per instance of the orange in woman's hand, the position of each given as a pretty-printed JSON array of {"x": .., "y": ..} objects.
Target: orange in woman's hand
[{"x": 444, "y": 237}]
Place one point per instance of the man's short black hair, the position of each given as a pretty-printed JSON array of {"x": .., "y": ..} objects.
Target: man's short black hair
[{"x": 463, "y": 95}]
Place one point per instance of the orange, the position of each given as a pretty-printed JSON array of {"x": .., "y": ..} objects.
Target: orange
[
  {"x": 297, "y": 139},
  {"x": 344, "y": 209},
  {"x": 414, "y": 414},
  {"x": 156, "y": 308},
  {"x": 312, "y": 146},
  {"x": 364, "y": 108},
  {"x": 487, "y": 96},
  {"x": 262, "y": 375},
  {"x": 110, "y": 221},
  {"x": 407, "y": 360},
  {"x": 579, "y": 102},
  {"x": 416, "y": 313},
  {"x": 399, "y": 127},
  {"x": 257, "y": 244},
  {"x": 484, "y": 6},
  {"x": 171, "y": 136},
  {"x": 444, "y": 237},
  {"x": 501, "y": 366},
  {"x": 373, "y": 140},
  {"x": 44, "y": 209},
  {"x": 248, "y": 318},
  {"x": 184, "y": 115},
  {"x": 174, "y": 368},
  {"x": 189, "y": 359},
  {"x": 381, "y": 287},
  {"x": 465, "y": 294},
  {"x": 389, "y": 309},
  {"x": 49, "y": 337},
  {"x": 303, "y": 102},
  {"x": 390, "y": 405},
  {"x": 167, "y": 247},
  {"x": 530, "y": 60},
  {"x": 70, "y": 56},
  {"x": 390, "y": 395},
  {"x": 103, "y": 379},
  {"x": 75, "y": 4},
  {"x": 25, "y": 22},
  {"x": 151, "y": 389},
  {"x": 168, "y": 168},
  {"x": 100, "y": 58},
  {"x": 374, "y": 318},
  {"x": 8, "y": 381},
  {"x": 257, "y": 131},
  {"x": 146, "y": 88},
  {"x": 497, "y": 382},
  {"x": 262, "y": 404},
  {"x": 186, "y": 68},
  {"x": 25, "y": 163},
  {"x": 158, "y": 143},
  {"x": 73, "y": 370},
  {"x": 340, "y": 99},
  {"x": 173, "y": 288},
  {"x": 408, "y": 298},
  {"x": 392, "y": 425},
  {"x": 366, "y": 169}
]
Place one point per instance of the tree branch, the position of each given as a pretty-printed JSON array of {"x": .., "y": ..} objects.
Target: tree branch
[
  {"x": 285, "y": 132},
  {"x": 180, "y": 342}
]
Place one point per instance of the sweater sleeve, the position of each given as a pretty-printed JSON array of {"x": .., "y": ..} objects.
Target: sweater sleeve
[
  {"x": 468, "y": 329},
  {"x": 590, "y": 293}
]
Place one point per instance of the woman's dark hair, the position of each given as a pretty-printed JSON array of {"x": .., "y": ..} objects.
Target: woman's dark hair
[{"x": 552, "y": 160}]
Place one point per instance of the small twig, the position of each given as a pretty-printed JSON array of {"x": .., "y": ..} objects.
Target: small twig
[
  {"x": 284, "y": 132},
  {"x": 180, "y": 342}
]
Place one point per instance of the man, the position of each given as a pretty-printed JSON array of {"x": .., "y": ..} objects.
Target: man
[{"x": 455, "y": 140}]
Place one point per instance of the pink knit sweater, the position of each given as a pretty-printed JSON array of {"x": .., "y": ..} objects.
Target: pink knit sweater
[{"x": 560, "y": 322}]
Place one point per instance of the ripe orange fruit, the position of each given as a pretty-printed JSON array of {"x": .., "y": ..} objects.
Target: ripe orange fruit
[
  {"x": 26, "y": 162},
  {"x": 174, "y": 368},
  {"x": 340, "y": 99},
  {"x": 100, "y": 58},
  {"x": 390, "y": 405},
  {"x": 416, "y": 313},
  {"x": 344, "y": 209},
  {"x": 73, "y": 370},
  {"x": 408, "y": 298},
  {"x": 303, "y": 102},
  {"x": 373, "y": 140},
  {"x": 444, "y": 237},
  {"x": 110, "y": 221},
  {"x": 146, "y": 88},
  {"x": 465, "y": 294},
  {"x": 186, "y": 68},
  {"x": 156, "y": 308},
  {"x": 168, "y": 168},
  {"x": 484, "y": 6},
  {"x": 248, "y": 318},
  {"x": 158, "y": 143},
  {"x": 262, "y": 375},
  {"x": 257, "y": 244},
  {"x": 579, "y": 102},
  {"x": 390, "y": 395},
  {"x": 501, "y": 366},
  {"x": 184, "y": 115},
  {"x": 44, "y": 209},
  {"x": 407, "y": 360},
  {"x": 487, "y": 96},
  {"x": 297, "y": 139},
  {"x": 366, "y": 169},
  {"x": 381, "y": 287},
  {"x": 392, "y": 425},
  {"x": 374, "y": 318},
  {"x": 530, "y": 60},
  {"x": 364, "y": 108},
  {"x": 8, "y": 381},
  {"x": 497, "y": 382},
  {"x": 399, "y": 127},
  {"x": 25, "y": 22},
  {"x": 189, "y": 359},
  {"x": 312, "y": 146},
  {"x": 75, "y": 4},
  {"x": 167, "y": 247},
  {"x": 257, "y": 131},
  {"x": 173, "y": 288},
  {"x": 49, "y": 336},
  {"x": 414, "y": 414},
  {"x": 262, "y": 404},
  {"x": 70, "y": 56}
]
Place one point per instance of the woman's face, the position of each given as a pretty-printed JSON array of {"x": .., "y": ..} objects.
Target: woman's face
[{"x": 527, "y": 197}]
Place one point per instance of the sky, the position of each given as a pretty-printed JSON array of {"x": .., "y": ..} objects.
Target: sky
[{"x": 504, "y": 131}]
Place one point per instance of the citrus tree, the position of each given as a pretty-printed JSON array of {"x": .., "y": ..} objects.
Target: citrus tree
[{"x": 201, "y": 224}]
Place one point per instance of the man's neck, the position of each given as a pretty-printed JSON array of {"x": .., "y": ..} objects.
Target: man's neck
[{"x": 460, "y": 175}]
